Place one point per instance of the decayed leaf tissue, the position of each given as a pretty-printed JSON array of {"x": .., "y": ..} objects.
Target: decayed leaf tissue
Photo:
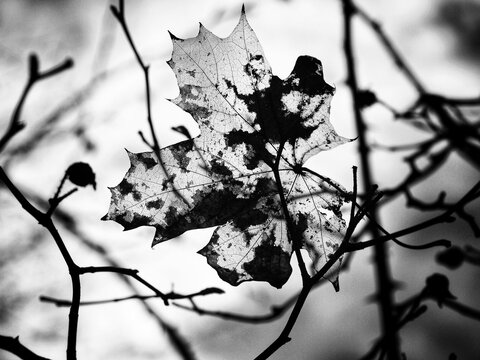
[{"x": 253, "y": 126}]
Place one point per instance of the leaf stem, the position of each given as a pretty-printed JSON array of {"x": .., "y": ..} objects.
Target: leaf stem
[{"x": 296, "y": 242}]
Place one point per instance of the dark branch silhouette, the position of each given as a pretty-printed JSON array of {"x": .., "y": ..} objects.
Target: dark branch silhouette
[
  {"x": 119, "y": 13},
  {"x": 383, "y": 273},
  {"x": 34, "y": 75},
  {"x": 14, "y": 346}
]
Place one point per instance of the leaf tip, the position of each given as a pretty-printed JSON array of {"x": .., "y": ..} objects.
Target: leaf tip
[
  {"x": 243, "y": 10},
  {"x": 336, "y": 284},
  {"x": 159, "y": 237},
  {"x": 333, "y": 89},
  {"x": 131, "y": 155},
  {"x": 177, "y": 101},
  {"x": 105, "y": 217},
  {"x": 173, "y": 37},
  {"x": 203, "y": 251},
  {"x": 202, "y": 30}
]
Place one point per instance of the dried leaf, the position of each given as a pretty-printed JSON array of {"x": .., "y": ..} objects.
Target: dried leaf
[{"x": 226, "y": 175}]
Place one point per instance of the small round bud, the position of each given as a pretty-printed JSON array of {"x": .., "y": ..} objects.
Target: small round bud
[
  {"x": 451, "y": 258},
  {"x": 437, "y": 287},
  {"x": 366, "y": 98},
  {"x": 81, "y": 174}
]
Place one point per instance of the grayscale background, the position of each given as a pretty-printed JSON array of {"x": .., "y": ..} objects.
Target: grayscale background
[{"x": 97, "y": 108}]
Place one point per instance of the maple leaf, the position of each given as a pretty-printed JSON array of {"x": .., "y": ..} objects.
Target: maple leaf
[{"x": 253, "y": 125}]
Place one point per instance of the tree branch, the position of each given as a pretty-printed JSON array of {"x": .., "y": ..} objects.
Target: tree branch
[
  {"x": 165, "y": 297},
  {"x": 34, "y": 76},
  {"x": 119, "y": 14},
  {"x": 46, "y": 221},
  {"x": 383, "y": 273},
  {"x": 13, "y": 345},
  {"x": 444, "y": 217}
]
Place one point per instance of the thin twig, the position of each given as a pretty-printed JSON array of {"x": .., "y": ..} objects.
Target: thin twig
[
  {"x": 435, "y": 103},
  {"x": 129, "y": 272},
  {"x": 311, "y": 282},
  {"x": 275, "y": 312},
  {"x": 450, "y": 303},
  {"x": 383, "y": 273},
  {"x": 14, "y": 346},
  {"x": 168, "y": 296},
  {"x": 67, "y": 105},
  {"x": 70, "y": 224},
  {"x": 57, "y": 199},
  {"x": 462, "y": 309},
  {"x": 119, "y": 14},
  {"x": 395, "y": 55},
  {"x": 444, "y": 217},
  {"x": 34, "y": 76},
  {"x": 355, "y": 191},
  {"x": 380, "y": 345},
  {"x": 46, "y": 221},
  {"x": 436, "y": 243},
  {"x": 75, "y": 272}
]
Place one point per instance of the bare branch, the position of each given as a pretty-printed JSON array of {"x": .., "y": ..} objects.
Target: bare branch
[
  {"x": 275, "y": 313},
  {"x": 13, "y": 345},
  {"x": 34, "y": 76},
  {"x": 119, "y": 14},
  {"x": 444, "y": 217},
  {"x": 129, "y": 272},
  {"x": 45, "y": 220},
  {"x": 169, "y": 296}
]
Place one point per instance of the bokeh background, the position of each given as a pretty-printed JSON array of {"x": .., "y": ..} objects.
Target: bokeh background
[{"x": 94, "y": 111}]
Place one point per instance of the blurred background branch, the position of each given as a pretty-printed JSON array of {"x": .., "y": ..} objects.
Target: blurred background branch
[{"x": 427, "y": 121}]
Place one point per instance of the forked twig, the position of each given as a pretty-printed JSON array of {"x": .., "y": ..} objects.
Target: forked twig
[
  {"x": 14, "y": 346},
  {"x": 119, "y": 13},
  {"x": 34, "y": 75}
]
